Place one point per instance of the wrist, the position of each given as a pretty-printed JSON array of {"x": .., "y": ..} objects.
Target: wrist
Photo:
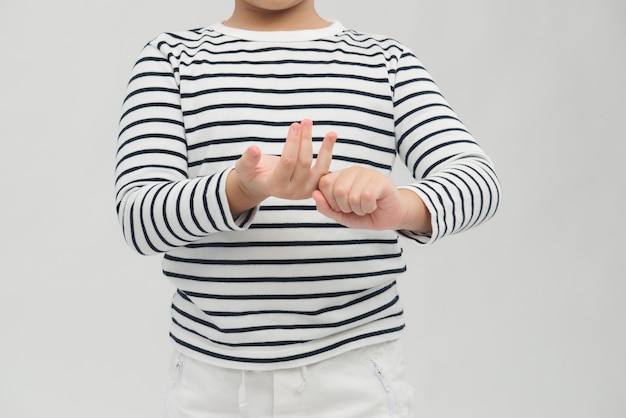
[
  {"x": 240, "y": 198},
  {"x": 417, "y": 217}
]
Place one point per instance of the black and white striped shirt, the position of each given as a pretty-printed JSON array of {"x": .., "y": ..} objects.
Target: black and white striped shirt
[{"x": 282, "y": 285}]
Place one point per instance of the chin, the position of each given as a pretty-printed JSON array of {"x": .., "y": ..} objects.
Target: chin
[{"x": 274, "y": 5}]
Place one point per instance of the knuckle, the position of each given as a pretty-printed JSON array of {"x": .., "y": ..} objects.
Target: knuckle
[
  {"x": 288, "y": 161},
  {"x": 354, "y": 199},
  {"x": 341, "y": 191},
  {"x": 304, "y": 164},
  {"x": 367, "y": 195},
  {"x": 324, "y": 182}
]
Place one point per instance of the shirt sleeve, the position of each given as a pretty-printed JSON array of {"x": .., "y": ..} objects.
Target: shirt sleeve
[
  {"x": 454, "y": 177},
  {"x": 159, "y": 207}
]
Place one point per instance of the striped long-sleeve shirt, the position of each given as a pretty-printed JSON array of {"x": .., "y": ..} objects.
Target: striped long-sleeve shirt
[{"x": 281, "y": 285}]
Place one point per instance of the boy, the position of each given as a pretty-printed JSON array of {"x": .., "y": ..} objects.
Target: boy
[{"x": 256, "y": 154}]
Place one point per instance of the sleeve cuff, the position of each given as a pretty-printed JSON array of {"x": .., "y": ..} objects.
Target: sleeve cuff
[
  {"x": 422, "y": 237},
  {"x": 245, "y": 219}
]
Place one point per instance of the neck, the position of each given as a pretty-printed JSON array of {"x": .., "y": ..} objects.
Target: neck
[{"x": 301, "y": 16}]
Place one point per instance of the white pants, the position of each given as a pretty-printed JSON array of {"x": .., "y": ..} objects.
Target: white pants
[{"x": 367, "y": 382}]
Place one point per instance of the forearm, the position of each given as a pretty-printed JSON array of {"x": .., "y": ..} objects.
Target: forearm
[
  {"x": 462, "y": 194},
  {"x": 162, "y": 215}
]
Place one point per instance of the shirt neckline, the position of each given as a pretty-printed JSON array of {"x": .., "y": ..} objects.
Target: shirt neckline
[{"x": 279, "y": 36}]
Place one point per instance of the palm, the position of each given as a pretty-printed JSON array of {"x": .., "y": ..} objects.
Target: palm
[
  {"x": 265, "y": 178},
  {"x": 292, "y": 175}
]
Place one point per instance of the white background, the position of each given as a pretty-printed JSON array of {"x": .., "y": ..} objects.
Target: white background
[{"x": 524, "y": 316}]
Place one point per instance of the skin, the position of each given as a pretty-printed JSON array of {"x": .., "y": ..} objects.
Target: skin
[
  {"x": 275, "y": 15},
  {"x": 357, "y": 197},
  {"x": 291, "y": 176}
]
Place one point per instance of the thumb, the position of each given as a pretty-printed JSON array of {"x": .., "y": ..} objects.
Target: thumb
[
  {"x": 324, "y": 208},
  {"x": 248, "y": 161}
]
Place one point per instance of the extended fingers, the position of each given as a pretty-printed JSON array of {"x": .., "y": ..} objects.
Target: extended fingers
[
  {"x": 325, "y": 154},
  {"x": 289, "y": 156},
  {"x": 302, "y": 167},
  {"x": 294, "y": 176}
]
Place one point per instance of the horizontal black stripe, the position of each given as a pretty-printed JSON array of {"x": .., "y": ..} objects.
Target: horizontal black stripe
[
  {"x": 336, "y": 123},
  {"x": 403, "y": 99},
  {"x": 225, "y": 158},
  {"x": 280, "y": 140},
  {"x": 287, "y": 261},
  {"x": 415, "y": 110},
  {"x": 324, "y": 90},
  {"x": 148, "y": 181},
  {"x": 411, "y": 67},
  {"x": 276, "y": 279},
  {"x": 150, "y": 105},
  {"x": 151, "y": 59},
  {"x": 154, "y": 135},
  {"x": 150, "y": 90},
  {"x": 303, "y": 106},
  {"x": 288, "y": 76},
  {"x": 286, "y": 207},
  {"x": 298, "y": 312},
  {"x": 275, "y": 327},
  {"x": 430, "y": 135},
  {"x": 234, "y": 140},
  {"x": 364, "y": 144},
  {"x": 361, "y": 161},
  {"x": 286, "y": 358},
  {"x": 151, "y": 120},
  {"x": 148, "y": 152},
  {"x": 295, "y": 225},
  {"x": 436, "y": 164},
  {"x": 191, "y": 52},
  {"x": 278, "y": 343},
  {"x": 275, "y": 63},
  {"x": 151, "y": 166},
  {"x": 305, "y": 243},
  {"x": 435, "y": 148},
  {"x": 412, "y": 81},
  {"x": 151, "y": 74}
]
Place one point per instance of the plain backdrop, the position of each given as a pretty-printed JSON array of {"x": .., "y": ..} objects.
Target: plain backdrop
[{"x": 522, "y": 317}]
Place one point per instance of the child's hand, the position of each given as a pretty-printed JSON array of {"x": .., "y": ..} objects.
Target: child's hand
[
  {"x": 360, "y": 197},
  {"x": 291, "y": 176}
]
